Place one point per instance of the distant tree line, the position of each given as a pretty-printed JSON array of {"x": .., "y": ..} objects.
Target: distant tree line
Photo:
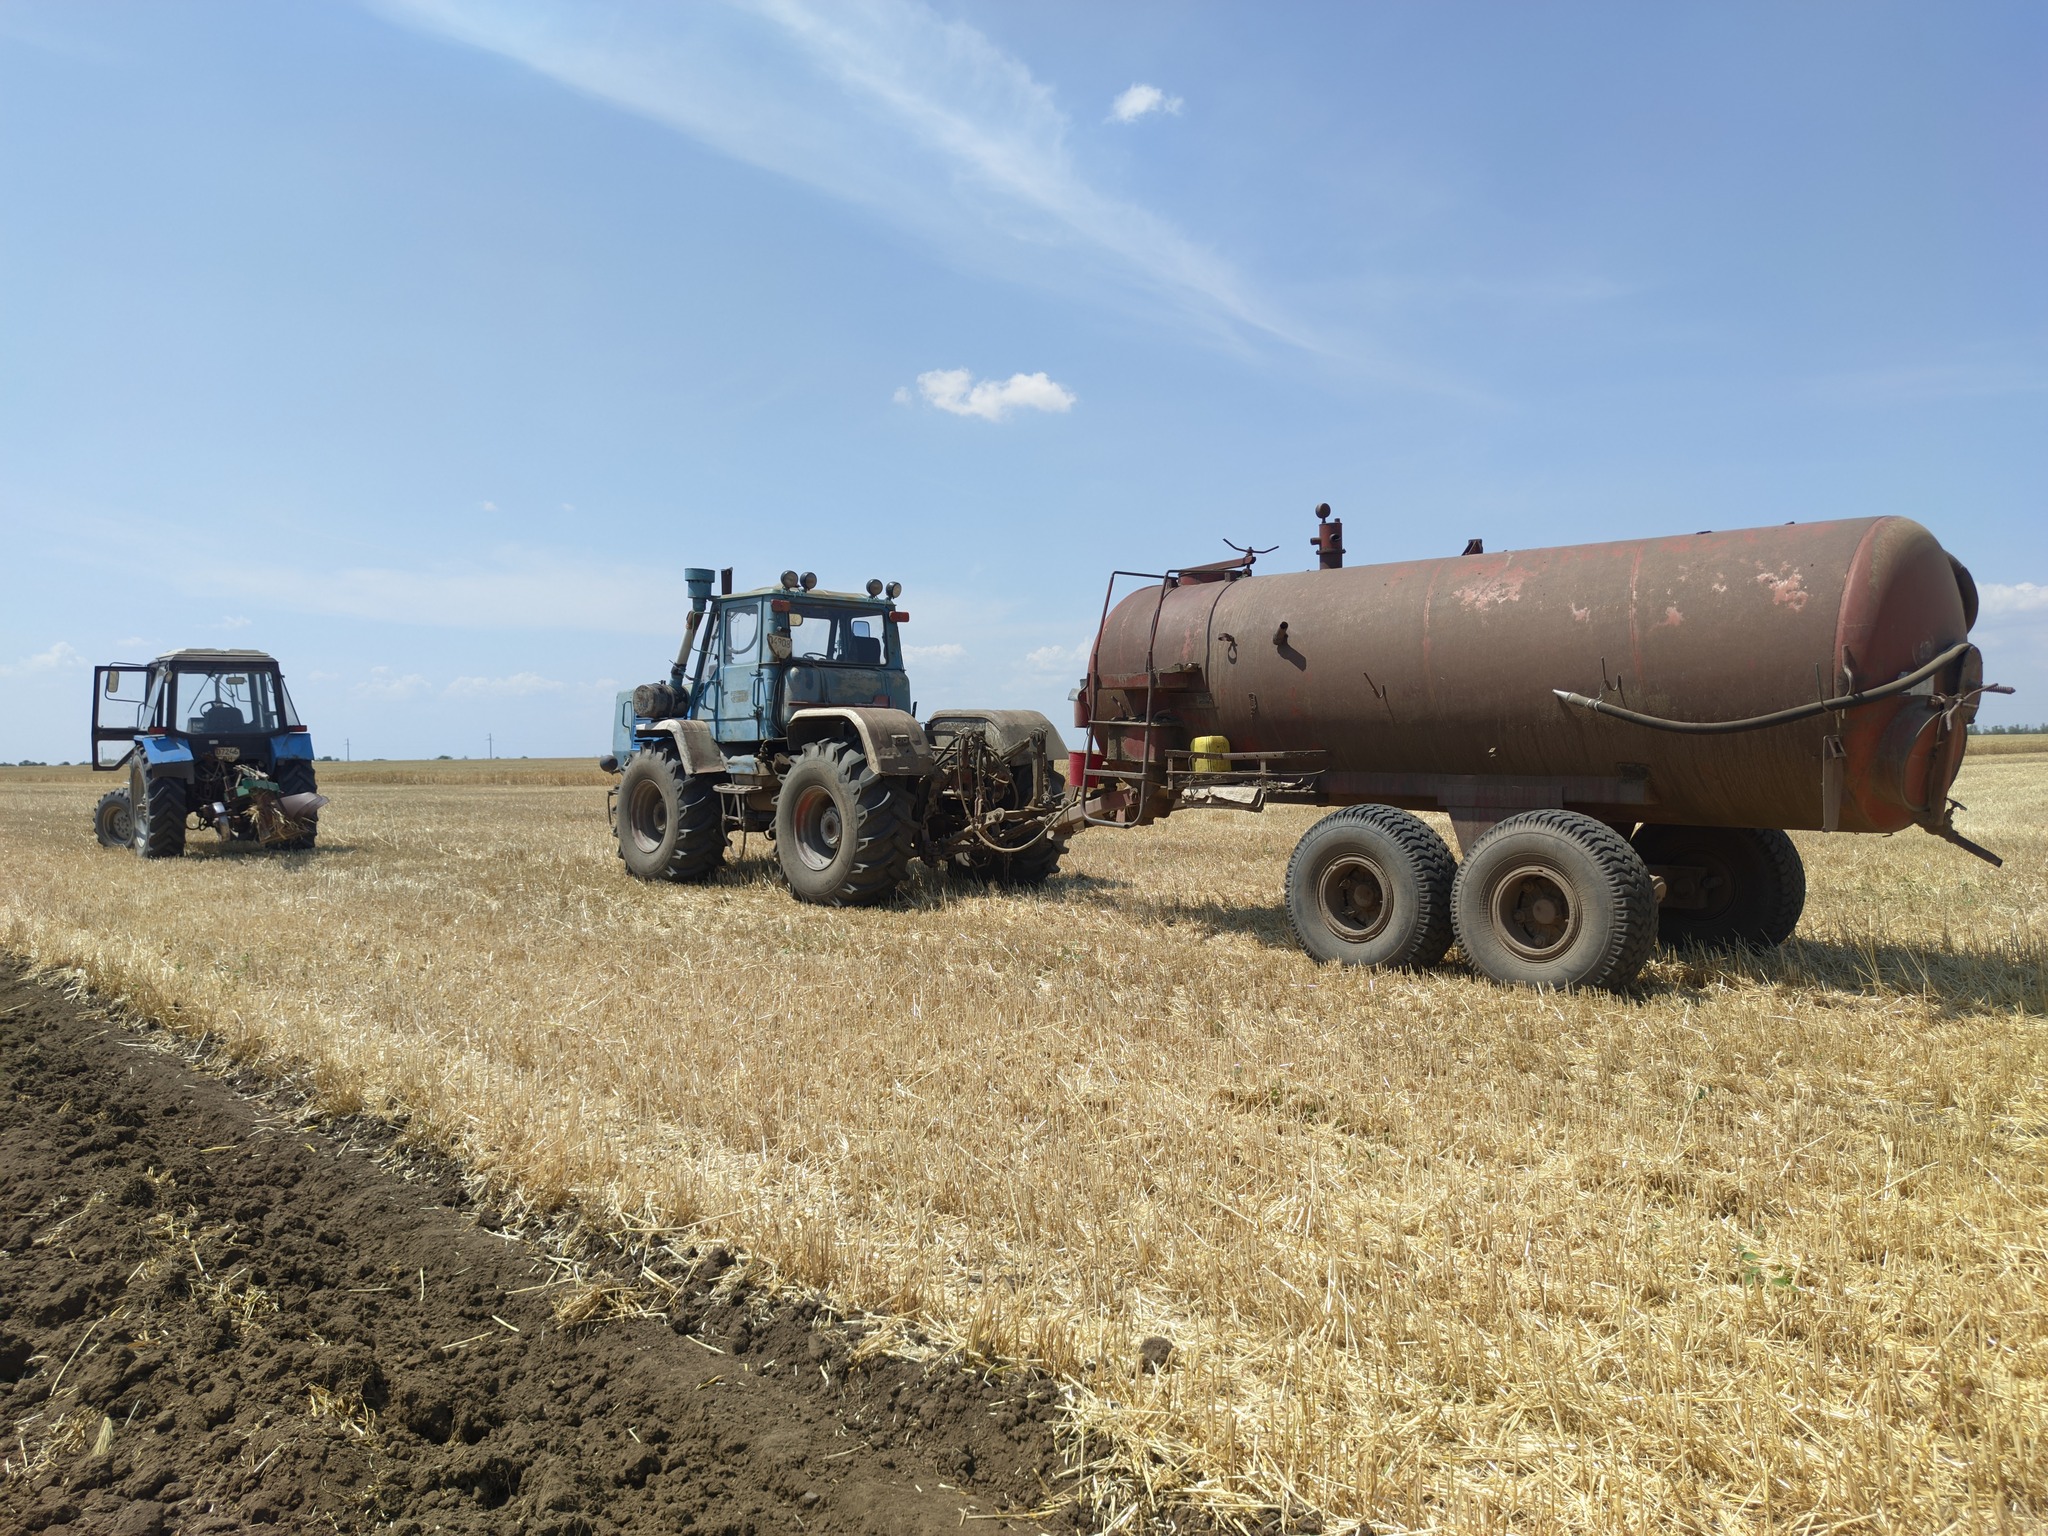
[{"x": 2008, "y": 730}]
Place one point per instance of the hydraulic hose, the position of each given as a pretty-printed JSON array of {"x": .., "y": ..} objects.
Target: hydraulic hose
[{"x": 1778, "y": 717}]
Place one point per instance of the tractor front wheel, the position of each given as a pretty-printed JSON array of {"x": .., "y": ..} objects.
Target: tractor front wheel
[
  {"x": 670, "y": 824},
  {"x": 842, "y": 831},
  {"x": 112, "y": 821}
]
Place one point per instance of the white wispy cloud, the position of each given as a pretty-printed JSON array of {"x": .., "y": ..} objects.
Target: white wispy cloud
[
  {"x": 958, "y": 391},
  {"x": 946, "y": 652},
  {"x": 513, "y": 587},
  {"x": 518, "y": 685},
  {"x": 57, "y": 658},
  {"x": 233, "y": 622},
  {"x": 1141, "y": 99},
  {"x": 391, "y": 686},
  {"x": 1057, "y": 658},
  {"x": 880, "y": 103},
  {"x": 1997, "y": 600}
]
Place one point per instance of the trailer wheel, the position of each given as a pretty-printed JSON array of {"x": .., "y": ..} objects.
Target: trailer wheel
[
  {"x": 1750, "y": 885},
  {"x": 158, "y": 814},
  {"x": 842, "y": 831},
  {"x": 670, "y": 825},
  {"x": 297, "y": 777},
  {"x": 112, "y": 822},
  {"x": 1370, "y": 885},
  {"x": 1557, "y": 899}
]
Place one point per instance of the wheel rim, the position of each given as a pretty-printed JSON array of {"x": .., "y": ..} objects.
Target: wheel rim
[
  {"x": 1351, "y": 895},
  {"x": 647, "y": 816},
  {"x": 818, "y": 827},
  {"x": 1534, "y": 913},
  {"x": 120, "y": 825}
]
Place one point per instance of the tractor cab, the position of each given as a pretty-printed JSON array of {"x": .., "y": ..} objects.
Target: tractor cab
[{"x": 751, "y": 660}]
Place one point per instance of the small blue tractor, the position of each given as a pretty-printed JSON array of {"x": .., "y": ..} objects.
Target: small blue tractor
[
  {"x": 788, "y": 713},
  {"x": 206, "y": 736}
]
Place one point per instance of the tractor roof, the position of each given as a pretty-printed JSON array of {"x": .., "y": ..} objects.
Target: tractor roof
[
  {"x": 201, "y": 656},
  {"x": 815, "y": 595}
]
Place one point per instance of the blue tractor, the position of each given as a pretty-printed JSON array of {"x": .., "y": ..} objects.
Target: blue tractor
[
  {"x": 788, "y": 712},
  {"x": 207, "y": 737}
]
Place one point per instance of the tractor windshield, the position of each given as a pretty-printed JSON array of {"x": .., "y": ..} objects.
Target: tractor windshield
[
  {"x": 226, "y": 700},
  {"x": 821, "y": 633}
]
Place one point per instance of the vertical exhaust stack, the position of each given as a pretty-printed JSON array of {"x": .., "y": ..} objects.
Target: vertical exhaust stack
[
  {"x": 1329, "y": 540},
  {"x": 697, "y": 581}
]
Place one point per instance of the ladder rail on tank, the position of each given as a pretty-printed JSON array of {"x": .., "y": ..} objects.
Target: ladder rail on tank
[{"x": 1095, "y": 744}]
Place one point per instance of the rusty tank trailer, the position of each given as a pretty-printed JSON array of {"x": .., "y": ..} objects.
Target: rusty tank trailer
[{"x": 1621, "y": 734}]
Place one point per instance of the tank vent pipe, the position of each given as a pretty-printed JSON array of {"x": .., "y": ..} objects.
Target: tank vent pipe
[{"x": 1783, "y": 716}]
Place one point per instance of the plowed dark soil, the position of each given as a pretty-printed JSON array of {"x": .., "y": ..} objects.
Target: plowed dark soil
[{"x": 217, "y": 1317}]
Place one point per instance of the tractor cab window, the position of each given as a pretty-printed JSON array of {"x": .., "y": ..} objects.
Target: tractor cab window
[
  {"x": 229, "y": 700},
  {"x": 742, "y": 631},
  {"x": 819, "y": 633}
]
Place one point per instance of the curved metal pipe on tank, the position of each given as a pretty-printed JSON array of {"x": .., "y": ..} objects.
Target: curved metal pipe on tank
[{"x": 1436, "y": 684}]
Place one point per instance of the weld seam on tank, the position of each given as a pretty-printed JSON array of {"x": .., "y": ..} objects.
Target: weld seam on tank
[{"x": 1780, "y": 717}]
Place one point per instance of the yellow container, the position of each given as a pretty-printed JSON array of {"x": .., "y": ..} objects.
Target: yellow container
[{"x": 1209, "y": 754}]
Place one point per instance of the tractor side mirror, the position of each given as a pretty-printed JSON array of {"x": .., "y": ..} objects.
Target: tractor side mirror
[{"x": 113, "y": 683}]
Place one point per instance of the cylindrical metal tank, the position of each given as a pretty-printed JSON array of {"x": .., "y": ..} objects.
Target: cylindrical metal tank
[{"x": 1433, "y": 684}]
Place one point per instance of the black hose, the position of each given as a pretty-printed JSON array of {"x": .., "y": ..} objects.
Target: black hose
[{"x": 1780, "y": 717}]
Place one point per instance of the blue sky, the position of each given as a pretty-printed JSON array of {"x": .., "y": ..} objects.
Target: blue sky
[{"x": 423, "y": 342}]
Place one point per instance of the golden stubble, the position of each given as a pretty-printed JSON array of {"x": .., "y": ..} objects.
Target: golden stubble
[{"x": 1759, "y": 1247}]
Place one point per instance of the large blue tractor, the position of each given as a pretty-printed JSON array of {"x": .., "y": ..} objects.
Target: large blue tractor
[
  {"x": 207, "y": 737},
  {"x": 788, "y": 712}
]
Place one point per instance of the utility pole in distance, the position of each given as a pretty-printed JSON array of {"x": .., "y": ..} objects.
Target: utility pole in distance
[{"x": 490, "y": 745}]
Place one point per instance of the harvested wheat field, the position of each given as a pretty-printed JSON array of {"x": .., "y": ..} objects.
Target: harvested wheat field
[{"x": 1760, "y": 1247}]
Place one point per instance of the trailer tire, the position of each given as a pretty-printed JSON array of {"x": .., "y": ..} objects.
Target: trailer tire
[
  {"x": 1371, "y": 885},
  {"x": 1755, "y": 885},
  {"x": 158, "y": 815},
  {"x": 670, "y": 826},
  {"x": 843, "y": 832},
  {"x": 297, "y": 777},
  {"x": 113, "y": 823},
  {"x": 1555, "y": 899}
]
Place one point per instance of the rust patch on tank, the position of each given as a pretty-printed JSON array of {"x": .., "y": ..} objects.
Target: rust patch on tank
[
  {"x": 1671, "y": 620},
  {"x": 1580, "y": 615},
  {"x": 1504, "y": 588},
  {"x": 1787, "y": 591}
]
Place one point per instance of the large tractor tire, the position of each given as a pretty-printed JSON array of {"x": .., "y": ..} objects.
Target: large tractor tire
[
  {"x": 296, "y": 777},
  {"x": 842, "y": 831},
  {"x": 1370, "y": 885},
  {"x": 112, "y": 822},
  {"x": 1555, "y": 899},
  {"x": 1750, "y": 885},
  {"x": 158, "y": 813},
  {"x": 670, "y": 824}
]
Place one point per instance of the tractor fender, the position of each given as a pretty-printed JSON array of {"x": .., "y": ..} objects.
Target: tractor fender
[
  {"x": 890, "y": 739},
  {"x": 696, "y": 748},
  {"x": 1006, "y": 730},
  {"x": 292, "y": 746},
  {"x": 166, "y": 757}
]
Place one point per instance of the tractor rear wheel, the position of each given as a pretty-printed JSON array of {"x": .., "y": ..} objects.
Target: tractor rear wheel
[
  {"x": 842, "y": 831},
  {"x": 158, "y": 815},
  {"x": 1371, "y": 885},
  {"x": 670, "y": 824},
  {"x": 112, "y": 822},
  {"x": 1556, "y": 899},
  {"x": 296, "y": 777},
  {"x": 1744, "y": 887}
]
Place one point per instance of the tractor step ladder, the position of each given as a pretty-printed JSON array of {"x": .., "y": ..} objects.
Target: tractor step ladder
[{"x": 1095, "y": 745}]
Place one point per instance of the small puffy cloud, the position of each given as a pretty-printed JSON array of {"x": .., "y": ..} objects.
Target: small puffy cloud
[
  {"x": 488, "y": 506},
  {"x": 902, "y": 395},
  {"x": 57, "y": 658},
  {"x": 1057, "y": 658},
  {"x": 234, "y": 622},
  {"x": 946, "y": 652},
  {"x": 1997, "y": 600},
  {"x": 1140, "y": 100},
  {"x": 955, "y": 390},
  {"x": 518, "y": 685},
  {"x": 384, "y": 683}
]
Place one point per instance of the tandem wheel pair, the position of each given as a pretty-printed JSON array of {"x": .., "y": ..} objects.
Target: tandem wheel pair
[{"x": 1545, "y": 898}]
